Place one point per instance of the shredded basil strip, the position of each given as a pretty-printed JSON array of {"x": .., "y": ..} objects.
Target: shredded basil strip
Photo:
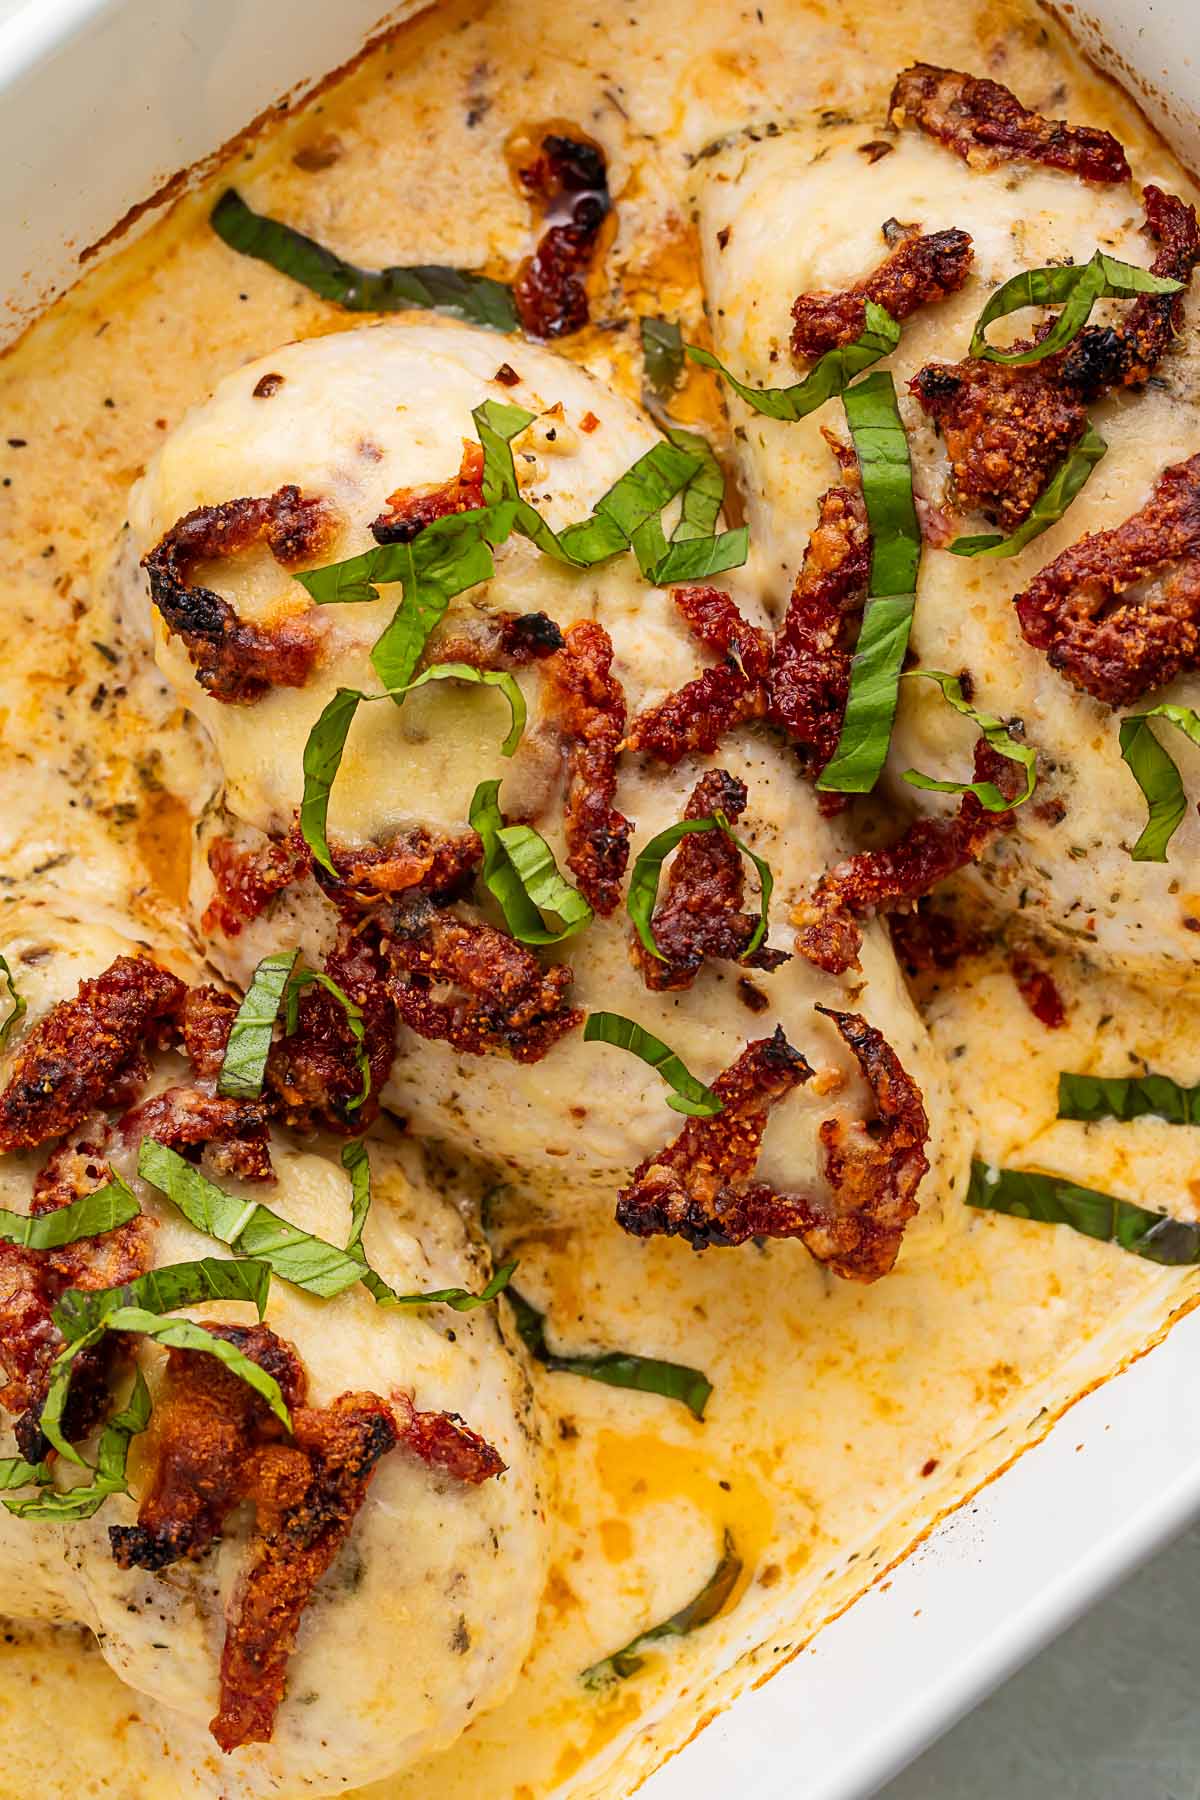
[
  {"x": 431, "y": 286},
  {"x": 250, "y": 1036},
  {"x": 703, "y": 496},
  {"x": 520, "y": 873},
  {"x": 642, "y": 896},
  {"x": 354, "y": 1020},
  {"x": 18, "y": 1005},
  {"x": 827, "y": 378},
  {"x": 247, "y": 1226},
  {"x": 882, "y": 447},
  {"x": 175, "y": 1334},
  {"x": 662, "y": 356},
  {"x": 112, "y": 1455},
  {"x": 1127, "y": 1097},
  {"x": 356, "y": 1162},
  {"x": 1053, "y": 1200},
  {"x": 326, "y": 743},
  {"x": 1076, "y": 288},
  {"x": 1157, "y": 774},
  {"x": 79, "y": 1310},
  {"x": 710, "y": 1601},
  {"x": 690, "y": 1096},
  {"x": 15, "y": 1472},
  {"x": 90, "y": 1216},
  {"x": 696, "y": 550},
  {"x": 995, "y": 731},
  {"x": 1069, "y": 477},
  {"x": 639, "y": 495},
  {"x": 616, "y": 1368}
]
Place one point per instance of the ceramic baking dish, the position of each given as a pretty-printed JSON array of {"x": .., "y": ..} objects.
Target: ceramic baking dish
[{"x": 103, "y": 100}]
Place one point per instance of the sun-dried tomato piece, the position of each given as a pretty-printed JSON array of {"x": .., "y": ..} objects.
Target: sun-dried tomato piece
[
  {"x": 812, "y": 650},
  {"x": 699, "y": 1187},
  {"x": 875, "y": 880},
  {"x": 798, "y": 679},
  {"x": 500, "y": 997},
  {"x": 237, "y": 661},
  {"x": 31, "y": 1281},
  {"x": 87, "y": 1052},
  {"x": 232, "y": 1133},
  {"x": 215, "y": 1443},
  {"x": 410, "y": 510},
  {"x": 985, "y": 123},
  {"x": 313, "y": 1076},
  {"x": 445, "y": 1441},
  {"x": 569, "y": 180},
  {"x": 1039, "y": 990},
  {"x": 437, "y": 864},
  {"x": 306, "y": 1496},
  {"x": 204, "y": 1024},
  {"x": 701, "y": 914},
  {"x": 697, "y": 717},
  {"x": 1118, "y": 613},
  {"x": 1007, "y": 428},
  {"x": 925, "y": 940},
  {"x": 585, "y": 704},
  {"x": 922, "y": 269},
  {"x": 246, "y": 881},
  {"x": 874, "y": 1168}
]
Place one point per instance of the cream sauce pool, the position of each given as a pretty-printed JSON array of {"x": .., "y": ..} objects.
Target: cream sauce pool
[{"x": 843, "y": 1419}]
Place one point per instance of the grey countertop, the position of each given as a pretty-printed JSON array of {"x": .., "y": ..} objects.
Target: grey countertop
[{"x": 1110, "y": 1711}]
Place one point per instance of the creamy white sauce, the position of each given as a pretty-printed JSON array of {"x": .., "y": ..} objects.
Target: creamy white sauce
[{"x": 843, "y": 1419}]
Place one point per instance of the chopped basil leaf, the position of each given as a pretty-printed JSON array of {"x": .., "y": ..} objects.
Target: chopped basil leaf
[
  {"x": 1157, "y": 774},
  {"x": 616, "y": 1368},
  {"x": 520, "y": 872},
  {"x": 1053, "y": 1200},
  {"x": 175, "y": 1334},
  {"x": 80, "y": 1310},
  {"x": 1048, "y": 508},
  {"x": 441, "y": 563},
  {"x": 431, "y": 286},
  {"x": 690, "y": 1096},
  {"x": 703, "y": 496},
  {"x": 662, "y": 356},
  {"x": 354, "y": 1021},
  {"x": 710, "y": 1601},
  {"x": 91, "y": 1215},
  {"x": 827, "y": 378},
  {"x": 696, "y": 550},
  {"x": 642, "y": 897},
  {"x": 882, "y": 447},
  {"x": 244, "y": 1063},
  {"x": 696, "y": 559},
  {"x": 1076, "y": 288},
  {"x": 248, "y": 1227},
  {"x": 108, "y": 1477},
  {"x": 15, "y": 1472},
  {"x": 995, "y": 731},
  {"x": 446, "y": 557},
  {"x": 326, "y": 743},
  {"x": 1127, "y": 1097},
  {"x": 357, "y": 1165},
  {"x": 18, "y": 1006}
]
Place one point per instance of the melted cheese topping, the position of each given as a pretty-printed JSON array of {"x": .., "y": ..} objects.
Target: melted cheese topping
[{"x": 842, "y": 1419}]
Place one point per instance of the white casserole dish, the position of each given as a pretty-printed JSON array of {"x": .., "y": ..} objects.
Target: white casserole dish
[{"x": 139, "y": 88}]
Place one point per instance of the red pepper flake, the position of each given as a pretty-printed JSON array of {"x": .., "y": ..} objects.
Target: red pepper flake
[
  {"x": 1038, "y": 991},
  {"x": 589, "y": 423}
]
